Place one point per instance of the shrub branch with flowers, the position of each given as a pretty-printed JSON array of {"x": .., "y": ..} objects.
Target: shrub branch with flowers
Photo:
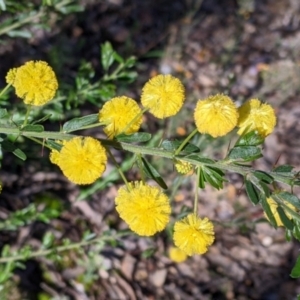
[{"x": 145, "y": 208}]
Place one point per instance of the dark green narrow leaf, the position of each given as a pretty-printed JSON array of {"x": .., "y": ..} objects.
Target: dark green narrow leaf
[
  {"x": 285, "y": 220},
  {"x": 251, "y": 192},
  {"x": 213, "y": 177},
  {"x": 54, "y": 145},
  {"x": 296, "y": 231},
  {"x": 201, "y": 179},
  {"x": 296, "y": 270},
  {"x": 78, "y": 123},
  {"x": 137, "y": 137},
  {"x": 283, "y": 169},
  {"x": 151, "y": 172},
  {"x": 263, "y": 176},
  {"x": 288, "y": 235},
  {"x": 267, "y": 209},
  {"x": 33, "y": 128},
  {"x": 20, "y": 154}
]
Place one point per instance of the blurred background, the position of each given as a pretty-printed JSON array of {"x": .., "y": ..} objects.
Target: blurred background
[{"x": 244, "y": 48}]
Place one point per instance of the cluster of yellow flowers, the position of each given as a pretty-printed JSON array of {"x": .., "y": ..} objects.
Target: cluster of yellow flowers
[{"x": 146, "y": 209}]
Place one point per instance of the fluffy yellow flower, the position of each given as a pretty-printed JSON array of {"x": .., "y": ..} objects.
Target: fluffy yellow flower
[
  {"x": 183, "y": 167},
  {"x": 193, "y": 235},
  {"x": 118, "y": 113},
  {"x": 35, "y": 82},
  {"x": 217, "y": 115},
  {"x": 82, "y": 160},
  {"x": 177, "y": 255},
  {"x": 11, "y": 75},
  {"x": 144, "y": 208},
  {"x": 163, "y": 95},
  {"x": 255, "y": 115},
  {"x": 273, "y": 206}
]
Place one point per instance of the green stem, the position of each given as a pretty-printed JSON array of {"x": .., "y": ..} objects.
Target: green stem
[
  {"x": 196, "y": 193},
  {"x": 27, "y": 115},
  {"x": 118, "y": 168},
  {"x": 39, "y": 142},
  {"x": 60, "y": 248},
  {"x": 187, "y": 139},
  {"x": 144, "y": 150},
  {"x": 4, "y": 90}
]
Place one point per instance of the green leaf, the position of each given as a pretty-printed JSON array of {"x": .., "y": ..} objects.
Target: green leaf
[
  {"x": 294, "y": 200},
  {"x": 267, "y": 209},
  {"x": 151, "y": 172},
  {"x": 48, "y": 240},
  {"x": 263, "y": 176},
  {"x": 296, "y": 231},
  {"x": 45, "y": 118},
  {"x": 201, "y": 159},
  {"x": 173, "y": 145},
  {"x": 296, "y": 269},
  {"x": 33, "y": 128},
  {"x": 107, "y": 55},
  {"x": 288, "y": 235},
  {"x": 285, "y": 220},
  {"x": 54, "y": 145},
  {"x": 250, "y": 139},
  {"x": 251, "y": 192},
  {"x": 137, "y": 137},
  {"x": 283, "y": 169},
  {"x": 213, "y": 176},
  {"x": 261, "y": 187},
  {"x": 201, "y": 179},
  {"x": 19, "y": 33},
  {"x": 20, "y": 154},
  {"x": 3, "y": 113},
  {"x": 2, "y": 5},
  {"x": 78, "y": 123},
  {"x": 246, "y": 153}
]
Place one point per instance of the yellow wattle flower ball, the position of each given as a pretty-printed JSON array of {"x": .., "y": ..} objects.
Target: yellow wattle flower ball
[
  {"x": 118, "y": 113},
  {"x": 163, "y": 95},
  {"x": 177, "y": 255},
  {"x": 273, "y": 206},
  {"x": 10, "y": 76},
  {"x": 183, "y": 167},
  {"x": 193, "y": 235},
  {"x": 55, "y": 155},
  {"x": 34, "y": 82},
  {"x": 146, "y": 209},
  {"x": 217, "y": 115},
  {"x": 255, "y": 115},
  {"x": 82, "y": 160}
]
